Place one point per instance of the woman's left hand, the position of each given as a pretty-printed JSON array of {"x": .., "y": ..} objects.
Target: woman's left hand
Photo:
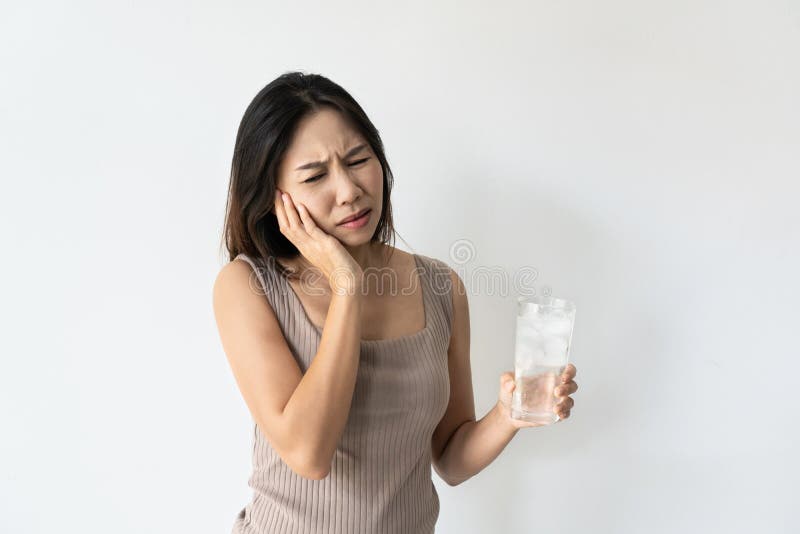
[{"x": 566, "y": 387}]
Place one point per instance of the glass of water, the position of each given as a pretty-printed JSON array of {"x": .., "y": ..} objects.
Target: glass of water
[{"x": 541, "y": 352}]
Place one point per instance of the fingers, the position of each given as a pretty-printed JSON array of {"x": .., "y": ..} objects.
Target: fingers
[
  {"x": 507, "y": 381},
  {"x": 569, "y": 373},
  {"x": 291, "y": 212},
  {"x": 308, "y": 221},
  {"x": 562, "y": 409},
  {"x": 280, "y": 211},
  {"x": 291, "y": 217},
  {"x": 565, "y": 389}
]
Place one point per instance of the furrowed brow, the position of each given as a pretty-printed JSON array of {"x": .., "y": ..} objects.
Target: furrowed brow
[{"x": 314, "y": 164}]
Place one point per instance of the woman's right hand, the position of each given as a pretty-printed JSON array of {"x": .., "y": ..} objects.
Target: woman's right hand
[{"x": 321, "y": 249}]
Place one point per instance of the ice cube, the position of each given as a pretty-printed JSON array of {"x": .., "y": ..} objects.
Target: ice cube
[
  {"x": 555, "y": 350},
  {"x": 527, "y": 331},
  {"x": 529, "y": 347},
  {"x": 537, "y": 322},
  {"x": 557, "y": 327},
  {"x": 528, "y": 354}
]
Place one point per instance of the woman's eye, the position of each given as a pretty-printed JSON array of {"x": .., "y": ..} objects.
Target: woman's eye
[{"x": 317, "y": 177}]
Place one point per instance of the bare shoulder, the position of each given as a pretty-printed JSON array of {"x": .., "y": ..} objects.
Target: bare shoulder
[
  {"x": 239, "y": 299},
  {"x": 235, "y": 276}
]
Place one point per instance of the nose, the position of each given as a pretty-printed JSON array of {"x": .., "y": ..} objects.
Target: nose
[{"x": 348, "y": 191}]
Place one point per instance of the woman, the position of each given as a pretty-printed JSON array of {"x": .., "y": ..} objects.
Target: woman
[{"x": 355, "y": 391}]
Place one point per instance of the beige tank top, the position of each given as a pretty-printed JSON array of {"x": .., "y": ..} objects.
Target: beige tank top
[{"x": 380, "y": 479}]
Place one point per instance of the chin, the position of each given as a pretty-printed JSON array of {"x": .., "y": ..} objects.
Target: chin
[{"x": 354, "y": 241}]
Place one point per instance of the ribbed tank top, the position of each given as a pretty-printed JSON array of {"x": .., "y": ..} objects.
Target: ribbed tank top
[{"x": 380, "y": 478}]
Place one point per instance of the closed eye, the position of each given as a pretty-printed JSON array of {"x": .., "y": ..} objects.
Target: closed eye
[{"x": 317, "y": 177}]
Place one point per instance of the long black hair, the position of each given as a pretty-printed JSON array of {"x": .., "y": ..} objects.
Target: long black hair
[{"x": 264, "y": 135}]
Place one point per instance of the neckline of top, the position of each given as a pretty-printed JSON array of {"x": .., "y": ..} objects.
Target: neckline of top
[{"x": 426, "y": 311}]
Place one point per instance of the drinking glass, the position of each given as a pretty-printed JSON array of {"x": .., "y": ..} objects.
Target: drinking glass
[{"x": 541, "y": 352}]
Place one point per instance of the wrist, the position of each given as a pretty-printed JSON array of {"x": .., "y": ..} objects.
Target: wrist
[
  {"x": 346, "y": 285},
  {"x": 501, "y": 416}
]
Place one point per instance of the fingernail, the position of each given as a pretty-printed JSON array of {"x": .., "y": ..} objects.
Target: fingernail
[{"x": 283, "y": 196}]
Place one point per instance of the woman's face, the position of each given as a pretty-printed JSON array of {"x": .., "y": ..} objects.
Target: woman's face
[{"x": 346, "y": 179}]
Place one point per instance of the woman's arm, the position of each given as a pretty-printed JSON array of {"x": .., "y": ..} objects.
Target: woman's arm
[
  {"x": 461, "y": 446},
  {"x": 302, "y": 416},
  {"x": 475, "y": 445}
]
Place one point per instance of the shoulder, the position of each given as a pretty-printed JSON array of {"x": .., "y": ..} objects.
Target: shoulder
[
  {"x": 448, "y": 285},
  {"x": 237, "y": 270},
  {"x": 445, "y": 279},
  {"x": 433, "y": 265},
  {"x": 241, "y": 277},
  {"x": 238, "y": 299}
]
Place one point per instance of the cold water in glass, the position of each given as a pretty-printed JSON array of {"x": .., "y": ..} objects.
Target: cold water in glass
[{"x": 543, "y": 337}]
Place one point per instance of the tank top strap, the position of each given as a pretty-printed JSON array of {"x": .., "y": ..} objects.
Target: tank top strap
[
  {"x": 264, "y": 277},
  {"x": 438, "y": 292},
  {"x": 268, "y": 283}
]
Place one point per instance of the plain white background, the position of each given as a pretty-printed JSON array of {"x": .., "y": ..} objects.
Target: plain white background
[{"x": 642, "y": 156}]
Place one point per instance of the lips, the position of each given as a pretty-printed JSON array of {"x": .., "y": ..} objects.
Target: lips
[{"x": 354, "y": 217}]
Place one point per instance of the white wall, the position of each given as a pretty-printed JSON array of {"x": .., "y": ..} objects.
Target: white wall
[{"x": 642, "y": 156}]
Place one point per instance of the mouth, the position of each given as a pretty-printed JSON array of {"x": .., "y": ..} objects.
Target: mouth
[{"x": 357, "y": 216}]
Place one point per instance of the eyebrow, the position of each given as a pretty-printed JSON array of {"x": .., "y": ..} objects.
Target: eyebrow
[{"x": 352, "y": 152}]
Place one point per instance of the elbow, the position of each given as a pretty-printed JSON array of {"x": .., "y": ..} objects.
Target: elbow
[
  {"x": 315, "y": 474},
  {"x": 455, "y": 482},
  {"x": 304, "y": 461},
  {"x": 449, "y": 480},
  {"x": 310, "y": 468}
]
